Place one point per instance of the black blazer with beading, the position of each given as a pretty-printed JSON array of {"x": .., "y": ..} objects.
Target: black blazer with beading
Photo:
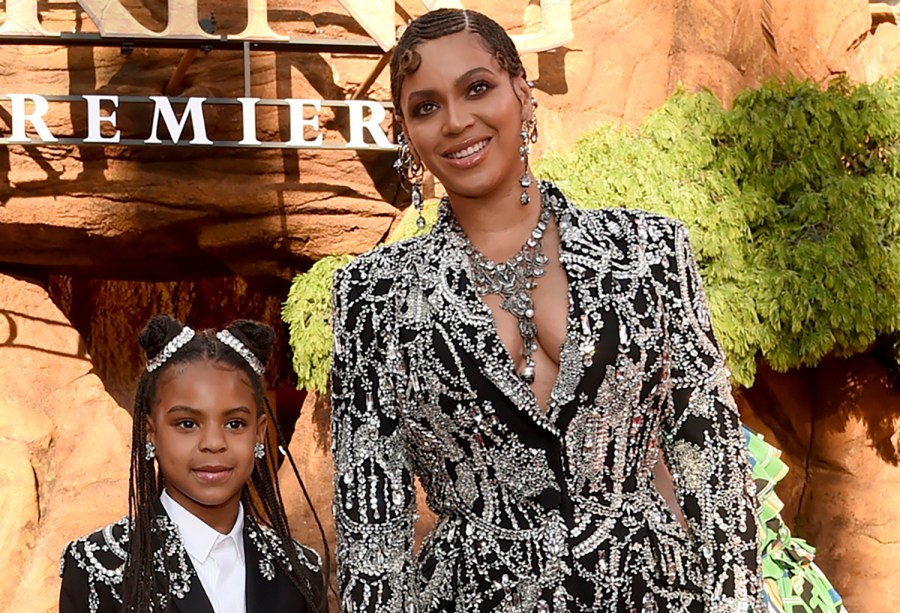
[{"x": 93, "y": 568}]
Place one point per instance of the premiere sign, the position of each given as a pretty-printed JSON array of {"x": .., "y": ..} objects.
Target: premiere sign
[
  {"x": 165, "y": 126},
  {"x": 183, "y": 121}
]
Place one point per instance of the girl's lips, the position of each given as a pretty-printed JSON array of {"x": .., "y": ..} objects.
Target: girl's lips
[
  {"x": 213, "y": 474},
  {"x": 472, "y": 159}
]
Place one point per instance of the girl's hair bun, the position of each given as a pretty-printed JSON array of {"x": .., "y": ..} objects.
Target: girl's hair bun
[
  {"x": 258, "y": 337},
  {"x": 158, "y": 331}
]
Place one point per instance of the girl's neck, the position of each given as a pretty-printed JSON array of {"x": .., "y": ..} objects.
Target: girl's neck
[{"x": 220, "y": 518}]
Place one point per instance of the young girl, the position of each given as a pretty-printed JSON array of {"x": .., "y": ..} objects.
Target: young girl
[{"x": 206, "y": 530}]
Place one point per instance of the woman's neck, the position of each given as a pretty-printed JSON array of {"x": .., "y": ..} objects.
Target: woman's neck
[{"x": 498, "y": 225}]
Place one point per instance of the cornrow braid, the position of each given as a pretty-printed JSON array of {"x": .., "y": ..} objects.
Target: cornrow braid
[
  {"x": 443, "y": 22},
  {"x": 145, "y": 590}
]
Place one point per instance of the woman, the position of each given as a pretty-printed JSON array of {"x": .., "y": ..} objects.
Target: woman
[
  {"x": 527, "y": 361},
  {"x": 207, "y": 531}
]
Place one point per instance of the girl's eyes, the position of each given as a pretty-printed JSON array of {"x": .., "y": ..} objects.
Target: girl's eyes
[{"x": 190, "y": 424}]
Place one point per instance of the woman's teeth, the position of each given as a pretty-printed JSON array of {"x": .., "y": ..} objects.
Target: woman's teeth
[{"x": 468, "y": 150}]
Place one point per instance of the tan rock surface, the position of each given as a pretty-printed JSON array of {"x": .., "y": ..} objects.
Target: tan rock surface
[
  {"x": 164, "y": 212},
  {"x": 839, "y": 428},
  {"x": 63, "y": 448}
]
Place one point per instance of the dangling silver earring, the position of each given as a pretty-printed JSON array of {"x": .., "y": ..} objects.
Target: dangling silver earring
[
  {"x": 529, "y": 136},
  {"x": 149, "y": 451},
  {"x": 259, "y": 451},
  {"x": 412, "y": 172}
]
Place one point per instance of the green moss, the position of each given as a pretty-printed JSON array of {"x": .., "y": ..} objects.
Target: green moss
[
  {"x": 793, "y": 202},
  {"x": 792, "y": 197},
  {"x": 307, "y": 311}
]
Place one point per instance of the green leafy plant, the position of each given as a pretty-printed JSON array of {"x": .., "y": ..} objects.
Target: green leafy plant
[{"x": 792, "y": 197}]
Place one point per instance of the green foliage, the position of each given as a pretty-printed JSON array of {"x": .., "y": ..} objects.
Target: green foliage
[
  {"x": 793, "y": 201},
  {"x": 792, "y": 197},
  {"x": 307, "y": 311}
]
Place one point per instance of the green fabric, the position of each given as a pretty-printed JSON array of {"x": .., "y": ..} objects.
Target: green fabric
[{"x": 793, "y": 582}]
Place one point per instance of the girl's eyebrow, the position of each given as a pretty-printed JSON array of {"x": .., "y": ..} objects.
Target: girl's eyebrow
[
  {"x": 458, "y": 82},
  {"x": 178, "y": 408}
]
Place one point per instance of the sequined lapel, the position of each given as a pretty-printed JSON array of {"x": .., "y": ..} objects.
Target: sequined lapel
[
  {"x": 452, "y": 289},
  {"x": 195, "y": 600},
  {"x": 585, "y": 258},
  {"x": 261, "y": 594}
]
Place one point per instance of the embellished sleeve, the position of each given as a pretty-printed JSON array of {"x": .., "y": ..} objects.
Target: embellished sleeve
[
  {"x": 73, "y": 592},
  {"x": 374, "y": 502},
  {"x": 704, "y": 445},
  {"x": 92, "y": 570}
]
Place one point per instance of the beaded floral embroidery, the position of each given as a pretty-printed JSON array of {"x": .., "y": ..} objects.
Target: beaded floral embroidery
[
  {"x": 538, "y": 511},
  {"x": 102, "y": 557}
]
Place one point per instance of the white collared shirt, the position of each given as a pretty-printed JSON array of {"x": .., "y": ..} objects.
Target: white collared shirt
[{"x": 218, "y": 558}]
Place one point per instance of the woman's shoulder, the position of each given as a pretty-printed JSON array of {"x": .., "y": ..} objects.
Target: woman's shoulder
[
  {"x": 626, "y": 224},
  {"x": 378, "y": 271},
  {"x": 103, "y": 552}
]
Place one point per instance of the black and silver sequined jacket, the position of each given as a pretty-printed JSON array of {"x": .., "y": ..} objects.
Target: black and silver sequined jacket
[
  {"x": 93, "y": 569},
  {"x": 552, "y": 511}
]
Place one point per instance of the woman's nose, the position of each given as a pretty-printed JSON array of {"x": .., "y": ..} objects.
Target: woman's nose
[{"x": 457, "y": 118}]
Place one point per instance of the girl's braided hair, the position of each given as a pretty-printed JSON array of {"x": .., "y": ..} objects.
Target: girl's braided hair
[{"x": 261, "y": 496}]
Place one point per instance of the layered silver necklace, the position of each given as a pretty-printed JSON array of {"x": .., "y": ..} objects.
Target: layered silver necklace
[{"x": 514, "y": 281}]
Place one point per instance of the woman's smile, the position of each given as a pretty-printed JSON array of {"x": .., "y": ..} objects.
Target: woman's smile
[{"x": 468, "y": 153}]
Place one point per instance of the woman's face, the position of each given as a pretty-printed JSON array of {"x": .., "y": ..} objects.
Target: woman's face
[
  {"x": 462, "y": 114},
  {"x": 205, "y": 424}
]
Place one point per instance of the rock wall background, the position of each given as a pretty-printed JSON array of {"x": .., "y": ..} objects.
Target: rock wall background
[{"x": 93, "y": 240}]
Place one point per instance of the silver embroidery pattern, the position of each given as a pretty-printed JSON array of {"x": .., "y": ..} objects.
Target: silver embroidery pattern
[
  {"x": 270, "y": 548},
  {"x": 102, "y": 555},
  {"x": 541, "y": 512}
]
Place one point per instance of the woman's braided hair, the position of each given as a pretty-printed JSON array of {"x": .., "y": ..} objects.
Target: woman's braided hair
[
  {"x": 261, "y": 496},
  {"x": 443, "y": 22}
]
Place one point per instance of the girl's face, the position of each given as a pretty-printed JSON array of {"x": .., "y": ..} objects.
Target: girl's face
[
  {"x": 462, "y": 114},
  {"x": 205, "y": 424}
]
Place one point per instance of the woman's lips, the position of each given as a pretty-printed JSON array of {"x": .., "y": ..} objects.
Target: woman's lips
[
  {"x": 471, "y": 154},
  {"x": 213, "y": 474}
]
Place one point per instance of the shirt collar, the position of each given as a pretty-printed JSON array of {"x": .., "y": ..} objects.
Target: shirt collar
[{"x": 199, "y": 538}]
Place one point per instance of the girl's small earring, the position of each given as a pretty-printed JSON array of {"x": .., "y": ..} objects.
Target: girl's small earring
[
  {"x": 412, "y": 172},
  {"x": 149, "y": 451},
  {"x": 259, "y": 451}
]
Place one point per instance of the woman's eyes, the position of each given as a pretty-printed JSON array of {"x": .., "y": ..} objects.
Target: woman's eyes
[
  {"x": 478, "y": 88},
  {"x": 425, "y": 108}
]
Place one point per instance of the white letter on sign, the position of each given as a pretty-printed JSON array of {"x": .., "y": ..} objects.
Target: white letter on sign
[
  {"x": 22, "y": 19},
  {"x": 193, "y": 111},
  {"x": 248, "y": 113},
  {"x": 19, "y": 117},
  {"x": 358, "y": 123},
  {"x": 299, "y": 122},
  {"x": 94, "y": 119}
]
